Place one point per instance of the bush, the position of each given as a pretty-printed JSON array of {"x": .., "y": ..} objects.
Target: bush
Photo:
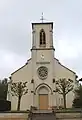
[
  {"x": 77, "y": 103},
  {"x": 5, "y": 105}
]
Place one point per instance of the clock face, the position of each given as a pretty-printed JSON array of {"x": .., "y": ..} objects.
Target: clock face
[
  {"x": 42, "y": 56},
  {"x": 42, "y": 72}
]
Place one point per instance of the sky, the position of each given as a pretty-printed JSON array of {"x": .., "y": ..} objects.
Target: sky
[{"x": 16, "y": 17}]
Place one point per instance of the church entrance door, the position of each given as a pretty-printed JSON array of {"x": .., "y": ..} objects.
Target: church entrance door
[{"x": 43, "y": 101}]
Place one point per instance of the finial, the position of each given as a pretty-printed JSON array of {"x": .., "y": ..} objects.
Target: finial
[{"x": 42, "y": 18}]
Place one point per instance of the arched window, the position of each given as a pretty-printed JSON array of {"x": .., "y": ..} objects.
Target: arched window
[{"x": 42, "y": 38}]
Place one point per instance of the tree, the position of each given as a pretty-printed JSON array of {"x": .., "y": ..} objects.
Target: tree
[
  {"x": 63, "y": 87},
  {"x": 19, "y": 89},
  {"x": 80, "y": 79},
  {"x": 5, "y": 105},
  {"x": 3, "y": 89},
  {"x": 77, "y": 102}
]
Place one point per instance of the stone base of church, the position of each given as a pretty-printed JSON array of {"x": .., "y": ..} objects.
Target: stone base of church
[{"x": 60, "y": 115}]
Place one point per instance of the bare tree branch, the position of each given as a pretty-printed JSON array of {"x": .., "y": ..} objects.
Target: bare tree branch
[
  {"x": 19, "y": 89},
  {"x": 64, "y": 86}
]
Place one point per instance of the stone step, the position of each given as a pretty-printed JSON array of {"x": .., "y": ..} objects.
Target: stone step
[
  {"x": 43, "y": 115},
  {"x": 42, "y": 111}
]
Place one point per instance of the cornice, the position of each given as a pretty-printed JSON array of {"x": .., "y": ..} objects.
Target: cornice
[
  {"x": 42, "y": 23},
  {"x": 52, "y": 48}
]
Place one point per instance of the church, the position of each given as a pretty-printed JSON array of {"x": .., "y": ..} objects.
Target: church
[{"x": 41, "y": 72}]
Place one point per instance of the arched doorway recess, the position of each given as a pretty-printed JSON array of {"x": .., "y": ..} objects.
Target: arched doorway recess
[{"x": 43, "y": 92}]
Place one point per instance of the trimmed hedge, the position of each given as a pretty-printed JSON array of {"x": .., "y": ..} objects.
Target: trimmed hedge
[{"x": 5, "y": 105}]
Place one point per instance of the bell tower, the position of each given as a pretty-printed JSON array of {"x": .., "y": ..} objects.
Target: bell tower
[
  {"x": 42, "y": 41},
  {"x": 42, "y": 54},
  {"x": 42, "y": 35}
]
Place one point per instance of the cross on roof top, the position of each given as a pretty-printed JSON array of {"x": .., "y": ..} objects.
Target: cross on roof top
[{"x": 42, "y": 18}]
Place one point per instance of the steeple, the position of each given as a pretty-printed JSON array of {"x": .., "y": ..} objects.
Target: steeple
[{"x": 42, "y": 35}]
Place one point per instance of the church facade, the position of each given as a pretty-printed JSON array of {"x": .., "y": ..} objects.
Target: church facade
[{"x": 41, "y": 72}]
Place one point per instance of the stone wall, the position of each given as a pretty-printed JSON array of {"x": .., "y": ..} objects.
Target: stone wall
[
  {"x": 23, "y": 115},
  {"x": 14, "y": 116},
  {"x": 69, "y": 116}
]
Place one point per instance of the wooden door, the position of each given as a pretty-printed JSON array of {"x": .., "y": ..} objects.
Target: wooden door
[{"x": 43, "y": 101}]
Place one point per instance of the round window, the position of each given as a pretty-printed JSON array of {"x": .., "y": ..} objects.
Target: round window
[{"x": 42, "y": 72}]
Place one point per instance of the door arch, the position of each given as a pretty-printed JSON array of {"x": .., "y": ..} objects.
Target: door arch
[{"x": 43, "y": 85}]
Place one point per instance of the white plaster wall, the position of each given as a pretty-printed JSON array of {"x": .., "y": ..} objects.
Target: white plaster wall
[
  {"x": 62, "y": 72},
  {"x": 23, "y": 75}
]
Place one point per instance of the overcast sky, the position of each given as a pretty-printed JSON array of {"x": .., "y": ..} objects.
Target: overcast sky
[{"x": 16, "y": 17}]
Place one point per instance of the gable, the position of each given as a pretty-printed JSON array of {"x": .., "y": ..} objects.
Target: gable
[
  {"x": 23, "y": 73},
  {"x": 62, "y": 71},
  {"x": 21, "y": 67},
  {"x": 64, "y": 66}
]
